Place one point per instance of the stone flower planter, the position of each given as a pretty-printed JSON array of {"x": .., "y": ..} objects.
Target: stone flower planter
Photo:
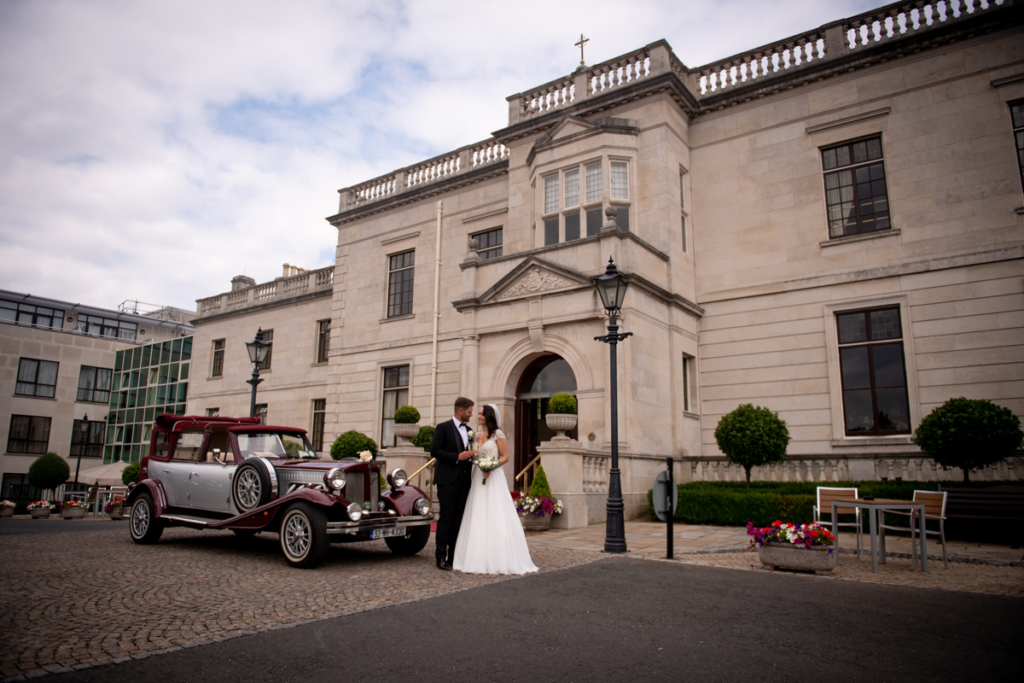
[
  {"x": 6, "y": 512},
  {"x": 789, "y": 556},
  {"x": 406, "y": 432},
  {"x": 40, "y": 513},
  {"x": 531, "y": 523},
  {"x": 561, "y": 423},
  {"x": 72, "y": 513},
  {"x": 116, "y": 513}
]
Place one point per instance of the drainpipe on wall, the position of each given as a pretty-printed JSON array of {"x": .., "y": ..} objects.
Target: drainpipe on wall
[{"x": 437, "y": 313}]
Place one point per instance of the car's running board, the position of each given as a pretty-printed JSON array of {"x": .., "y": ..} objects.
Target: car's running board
[{"x": 188, "y": 520}]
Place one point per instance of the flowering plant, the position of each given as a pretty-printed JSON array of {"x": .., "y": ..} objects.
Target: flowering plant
[
  {"x": 114, "y": 504},
  {"x": 40, "y": 504},
  {"x": 486, "y": 464},
  {"x": 74, "y": 504},
  {"x": 800, "y": 535},
  {"x": 365, "y": 456},
  {"x": 538, "y": 506},
  {"x": 7, "y": 503}
]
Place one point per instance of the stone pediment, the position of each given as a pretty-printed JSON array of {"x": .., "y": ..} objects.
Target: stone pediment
[
  {"x": 534, "y": 277},
  {"x": 574, "y": 127}
]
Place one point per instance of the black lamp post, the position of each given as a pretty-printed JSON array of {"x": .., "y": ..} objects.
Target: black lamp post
[
  {"x": 83, "y": 428},
  {"x": 612, "y": 289},
  {"x": 258, "y": 350}
]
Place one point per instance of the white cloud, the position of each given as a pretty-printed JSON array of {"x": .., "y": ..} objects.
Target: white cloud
[{"x": 152, "y": 151}]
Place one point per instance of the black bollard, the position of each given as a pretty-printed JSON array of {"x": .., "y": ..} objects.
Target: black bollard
[{"x": 671, "y": 511}]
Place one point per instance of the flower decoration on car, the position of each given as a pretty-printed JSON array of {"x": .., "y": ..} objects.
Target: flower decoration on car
[
  {"x": 799, "y": 535},
  {"x": 365, "y": 456}
]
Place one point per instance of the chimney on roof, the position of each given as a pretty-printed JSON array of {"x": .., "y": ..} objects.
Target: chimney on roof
[
  {"x": 289, "y": 270},
  {"x": 241, "y": 282}
]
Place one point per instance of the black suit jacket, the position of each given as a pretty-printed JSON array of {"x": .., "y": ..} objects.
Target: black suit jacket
[{"x": 445, "y": 448}]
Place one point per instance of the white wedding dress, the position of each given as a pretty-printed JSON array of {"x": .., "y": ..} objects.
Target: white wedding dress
[{"x": 491, "y": 538}]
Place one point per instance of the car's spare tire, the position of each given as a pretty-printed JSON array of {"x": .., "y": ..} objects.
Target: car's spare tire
[{"x": 252, "y": 485}]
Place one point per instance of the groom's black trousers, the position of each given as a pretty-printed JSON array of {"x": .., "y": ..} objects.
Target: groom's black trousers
[{"x": 452, "y": 498}]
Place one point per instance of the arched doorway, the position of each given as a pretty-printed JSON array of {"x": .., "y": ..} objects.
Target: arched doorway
[{"x": 542, "y": 379}]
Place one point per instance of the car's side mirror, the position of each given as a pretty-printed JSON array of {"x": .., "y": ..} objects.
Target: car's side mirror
[{"x": 219, "y": 457}]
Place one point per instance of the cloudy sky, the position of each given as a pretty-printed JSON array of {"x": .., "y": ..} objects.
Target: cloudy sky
[{"x": 152, "y": 150}]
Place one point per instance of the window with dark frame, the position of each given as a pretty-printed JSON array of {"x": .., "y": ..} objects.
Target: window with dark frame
[
  {"x": 874, "y": 377},
  {"x": 1017, "y": 118},
  {"x": 98, "y": 326},
  {"x": 261, "y": 412},
  {"x": 572, "y": 200},
  {"x": 319, "y": 413},
  {"x": 684, "y": 214},
  {"x": 36, "y": 378},
  {"x": 489, "y": 243},
  {"x": 855, "y": 193},
  {"x": 94, "y": 384},
  {"x": 396, "y": 395},
  {"x": 27, "y": 314},
  {"x": 29, "y": 434},
  {"x": 268, "y": 336},
  {"x": 323, "y": 341},
  {"x": 93, "y": 439},
  {"x": 400, "y": 283},
  {"x": 688, "y": 383},
  {"x": 218, "y": 358}
]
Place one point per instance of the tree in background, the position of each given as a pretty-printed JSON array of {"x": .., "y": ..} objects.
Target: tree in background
[
  {"x": 752, "y": 436},
  {"x": 969, "y": 434}
]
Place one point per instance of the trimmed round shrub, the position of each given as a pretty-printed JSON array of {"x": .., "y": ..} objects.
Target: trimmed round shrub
[
  {"x": 48, "y": 471},
  {"x": 130, "y": 474},
  {"x": 351, "y": 444},
  {"x": 969, "y": 434},
  {"x": 540, "y": 488},
  {"x": 752, "y": 436},
  {"x": 407, "y": 415},
  {"x": 424, "y": 438},
  {"x": 562, "y": 404}
]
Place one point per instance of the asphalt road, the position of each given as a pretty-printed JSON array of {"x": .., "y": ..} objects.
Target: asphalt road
[{"x": 622, "y": 619}]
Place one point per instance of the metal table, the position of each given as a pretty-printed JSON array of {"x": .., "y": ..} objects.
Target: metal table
[{"x": 873, "y": 506}]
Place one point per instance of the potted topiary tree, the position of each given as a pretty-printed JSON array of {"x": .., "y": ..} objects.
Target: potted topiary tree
[
  {"x": 405, "y": 426},
  {"x": 752, "y": 436},
  {"x": 561, "y": 415},
  {"x": 424, "y": 437},
  {"x": 969, "y": 434},
  {"x": 353, "y": 444},
  {"x": 48, "y": 472},
  {"x": 536, "y": 509},
  {"x": 130, "y": 474}
]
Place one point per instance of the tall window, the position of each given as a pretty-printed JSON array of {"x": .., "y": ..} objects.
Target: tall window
[
  {"x": 26, "y": 314},
  {"x": 319, "y": 411},
  {"x": 93, "y": 439},
  {"x": 396, "y": 395},
  {"x": 855, "y": 188},
  {"x": 29, "y": 434},
  {"x": 684, "y": 212},
  {"x": 94, "y": 384},
  {"x": 268, "y": 336},
  {"x": 620, "y": 193},
  {"x": 689, "y": 383},
  {"x": 218, "y": 359},
  {"x": 323, "y": 340},
  {"x": 98, "y": 326},
  {"x": 261, "y": 412},
  {"x": 400, "y": 272},
  {"x": 488, "y": 243},
  {"x": 873, "y": 371},
  {"x": 36, "y": 378},
  {"x": 1017, "y": 116}
]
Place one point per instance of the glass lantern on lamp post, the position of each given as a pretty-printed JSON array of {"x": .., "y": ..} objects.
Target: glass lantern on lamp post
[
  {"x": 258, "y": 350},
  {"x": 612, "y": 290}
]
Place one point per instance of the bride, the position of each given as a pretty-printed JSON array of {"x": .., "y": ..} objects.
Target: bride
[{"x": 491, "y": 538}]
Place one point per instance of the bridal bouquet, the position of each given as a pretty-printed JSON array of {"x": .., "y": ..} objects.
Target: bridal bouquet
[{"x": 487, "y": 464}]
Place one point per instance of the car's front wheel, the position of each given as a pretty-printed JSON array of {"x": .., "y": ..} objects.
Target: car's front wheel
[
  {"x": 411, "y": 543},
  {"x": 143, "y": 525},
  {"x": 304, "y": 535}
]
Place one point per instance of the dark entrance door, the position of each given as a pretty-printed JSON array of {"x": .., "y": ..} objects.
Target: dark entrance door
[{"x": 545, "y": 377}]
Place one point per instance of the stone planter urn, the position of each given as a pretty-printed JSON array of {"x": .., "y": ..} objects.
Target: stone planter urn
[
  {"x": 6, "y": 512},
  {"x": 561, "y": 423},
  {"x": 406, "y": 432},
  {"x": 789, "y": 556},
  {"x": 40, "y": 513},
  {"x": 116, "y": 513},
  {"x": 72, "y": 513},
  {"x": 531, "y": 523}
]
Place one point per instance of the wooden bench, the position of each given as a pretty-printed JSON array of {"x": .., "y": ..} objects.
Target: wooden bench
[{"x": 1001, "y": 506}]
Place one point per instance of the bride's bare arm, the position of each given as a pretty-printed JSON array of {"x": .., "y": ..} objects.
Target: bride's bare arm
[{"x": 502, "y": 451}]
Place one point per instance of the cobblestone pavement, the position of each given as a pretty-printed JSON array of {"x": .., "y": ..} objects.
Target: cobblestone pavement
[{"x": 73, "y": 599}]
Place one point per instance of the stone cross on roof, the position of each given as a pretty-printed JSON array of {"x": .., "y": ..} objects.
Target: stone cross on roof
[{"x": 582, "y": 41}]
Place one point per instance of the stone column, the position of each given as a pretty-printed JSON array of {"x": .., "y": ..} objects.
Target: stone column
[{"x": 470, "y": 374}]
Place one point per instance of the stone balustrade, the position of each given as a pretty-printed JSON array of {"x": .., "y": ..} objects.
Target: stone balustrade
[{"x": 281, "y": 289}]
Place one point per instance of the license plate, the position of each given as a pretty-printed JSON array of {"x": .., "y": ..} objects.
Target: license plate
[{"x": 388, "y": 531}]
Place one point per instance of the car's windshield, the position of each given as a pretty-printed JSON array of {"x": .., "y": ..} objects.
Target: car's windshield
[{"x": 273, "y": 445}]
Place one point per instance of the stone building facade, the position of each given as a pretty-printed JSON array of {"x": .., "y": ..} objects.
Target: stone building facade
[{"x": 829, "y": 226}]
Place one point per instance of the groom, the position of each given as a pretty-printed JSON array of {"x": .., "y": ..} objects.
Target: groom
[{"x": 452, "y": 474}]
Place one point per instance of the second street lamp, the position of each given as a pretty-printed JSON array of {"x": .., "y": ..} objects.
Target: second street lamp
[
  {"x": 258, "y": 350},
  {"x": 83, "y": 429},
  {"x": 612, "y": 289}
]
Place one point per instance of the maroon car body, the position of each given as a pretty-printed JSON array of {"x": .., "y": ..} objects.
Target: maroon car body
[{"x": 235, "y": 473}]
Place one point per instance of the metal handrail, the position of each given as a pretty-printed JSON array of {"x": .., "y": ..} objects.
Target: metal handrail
[
  {"x": 532, "y": 465},
  {"x": 430, "y": 488}
]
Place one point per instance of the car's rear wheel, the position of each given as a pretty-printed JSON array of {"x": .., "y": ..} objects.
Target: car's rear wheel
[
  {"x": 143, "y": 525},
  {"x": 250, "y": 487},
  {"x": 410, "y": 544},
  {"x": 304, "y": 535}
]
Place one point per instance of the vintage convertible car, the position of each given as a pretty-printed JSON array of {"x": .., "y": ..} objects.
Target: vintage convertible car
[{"x": 234, "y": 473}]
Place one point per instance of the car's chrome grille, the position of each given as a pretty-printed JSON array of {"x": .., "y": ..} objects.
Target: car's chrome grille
[
  {"x": 355, "y": 488},
  {"x": 287, "y": 477}
]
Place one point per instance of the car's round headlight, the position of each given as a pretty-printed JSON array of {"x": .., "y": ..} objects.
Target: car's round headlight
[
  {"x": 398, "y": 478},
  {"x": 335, "y": 479},
  {"x": 422, "y": 506},
  {"x": 355, "y": 512}
]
